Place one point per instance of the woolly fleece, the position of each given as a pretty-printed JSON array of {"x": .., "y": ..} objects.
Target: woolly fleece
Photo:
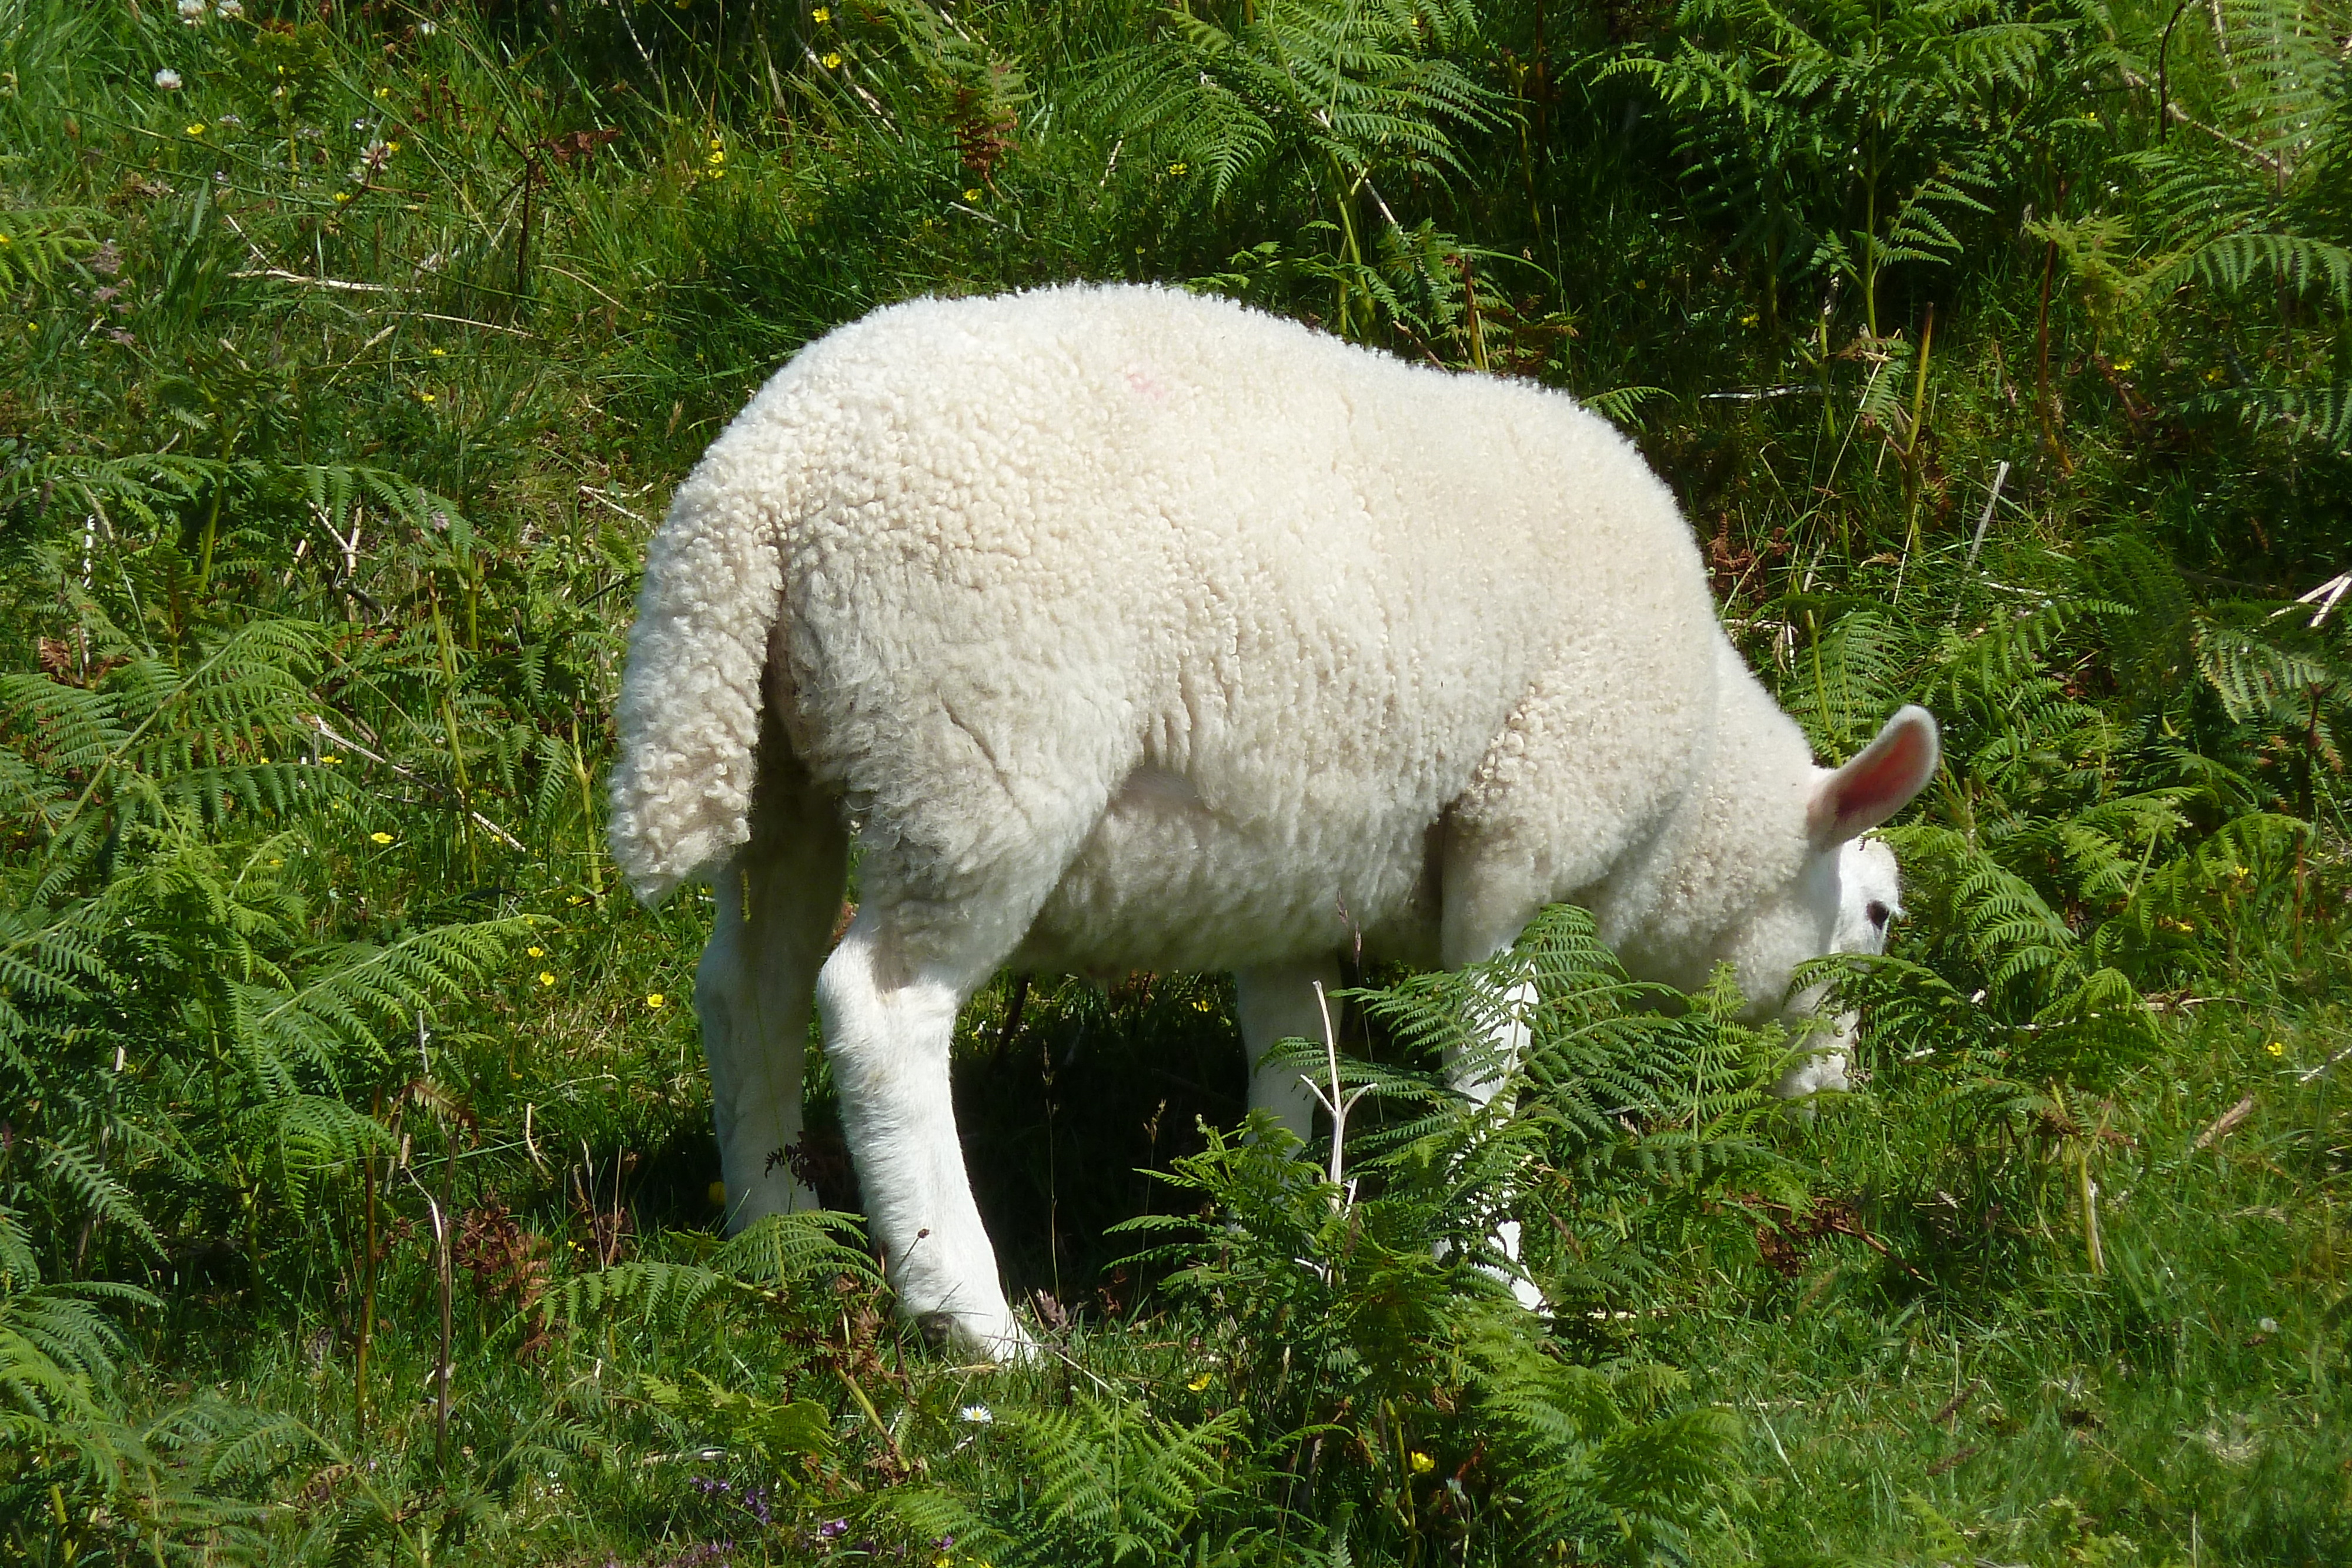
[{"x": 1228, "y": 618}]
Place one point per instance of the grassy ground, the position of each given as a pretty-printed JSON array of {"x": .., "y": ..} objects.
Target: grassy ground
[
  {"x": 347, "y": 356},
  {"x": 2186, "y": 1404}
]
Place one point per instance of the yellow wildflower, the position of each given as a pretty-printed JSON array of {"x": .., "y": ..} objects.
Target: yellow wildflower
[
  {"x": 832, "y": 60},
  {"x": 972, "y": 194},
  {"x": 379, "y": 838},
  {"x": 1422, "y": 1463},
  {"x": 536, "y": 952},
  {"x": 2276, "y": 1048},
  {"x": 197, "y": 129},
  {"x": 384, "y": 92},
  {"x": 1199, "y": 1382},
  {"x": 819, "y": 16},
  {"x": 438, "y": 353},
  {"x": 545, "y": 979},
  {"x": 341, "y": 196},
  {"x": 331, "y": 760},
  {"x": 424, "y": 397},
  {"x": 655, "y": 1000}
]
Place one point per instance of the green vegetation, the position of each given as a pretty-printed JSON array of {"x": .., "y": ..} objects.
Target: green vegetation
[{"x": 354, "y": 1162}]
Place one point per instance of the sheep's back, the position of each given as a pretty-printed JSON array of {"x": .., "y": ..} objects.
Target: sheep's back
[{"x": 1046, "y": 545}]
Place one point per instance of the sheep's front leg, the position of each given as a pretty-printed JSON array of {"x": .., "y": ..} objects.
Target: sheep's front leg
[
  {"x": 1276, "y": 1003},
  {"x": 1481, "y": 1071},
  {"x": 1488, "y": 901},
  {"x": 887, "y": 1035}
]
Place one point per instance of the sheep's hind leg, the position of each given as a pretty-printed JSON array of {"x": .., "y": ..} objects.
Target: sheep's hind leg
[
  {"x": 776, "y": 901},
  {"x": 890, "y": 1019},
  {"x": 1276, "y": 1003},
  {"x": 983, "y": 813}
]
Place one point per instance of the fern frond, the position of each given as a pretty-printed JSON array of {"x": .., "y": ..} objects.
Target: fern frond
[
  {"x": 783, "y": 1250},
  {"x": 84, "y": 1174}
]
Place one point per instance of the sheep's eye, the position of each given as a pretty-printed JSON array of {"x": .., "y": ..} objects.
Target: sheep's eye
[{"x": 1879, "y": 913}]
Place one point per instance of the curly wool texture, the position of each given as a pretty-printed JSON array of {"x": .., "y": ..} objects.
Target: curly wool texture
[
  {"x": 1137, "y": 628},
  {"x": 689, "y": 709}
]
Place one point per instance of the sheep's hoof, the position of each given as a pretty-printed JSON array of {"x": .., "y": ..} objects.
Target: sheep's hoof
[{"x": 1001, "y": 1339}]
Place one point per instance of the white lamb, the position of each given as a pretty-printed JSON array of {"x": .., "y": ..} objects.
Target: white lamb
[{"x": 1129, "y": 629}]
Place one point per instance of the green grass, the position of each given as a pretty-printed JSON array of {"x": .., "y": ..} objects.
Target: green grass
[
  {"x": 2188, "y": 1398},
  {"x": 343, "y": 384}
]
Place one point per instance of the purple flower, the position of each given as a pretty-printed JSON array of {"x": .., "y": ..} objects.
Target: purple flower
[{"x": 833, "y": 1530}]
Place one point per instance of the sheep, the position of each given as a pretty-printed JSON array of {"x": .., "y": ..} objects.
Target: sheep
[{"x": 1127, "y": 629}]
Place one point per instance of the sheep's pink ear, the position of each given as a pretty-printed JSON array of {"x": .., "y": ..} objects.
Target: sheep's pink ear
[{"x": 1878, "y": 783}]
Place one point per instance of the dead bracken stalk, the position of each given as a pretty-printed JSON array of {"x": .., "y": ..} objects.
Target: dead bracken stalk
[
  {"x": 330, "y": 732},
  {"x": 1337, "y": 1103},
  {"x": 2229, "y": 1122}
]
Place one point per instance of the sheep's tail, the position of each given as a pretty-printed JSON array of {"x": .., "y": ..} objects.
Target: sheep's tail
[{"x": 688, "y": 719}]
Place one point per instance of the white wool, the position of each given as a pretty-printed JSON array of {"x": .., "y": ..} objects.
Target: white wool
[{"x": 1135, "y": 630}]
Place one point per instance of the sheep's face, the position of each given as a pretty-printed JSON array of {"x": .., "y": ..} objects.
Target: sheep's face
[
  {"x": 1870, "y": 896},
  {"x": 1847, "y": 891}
]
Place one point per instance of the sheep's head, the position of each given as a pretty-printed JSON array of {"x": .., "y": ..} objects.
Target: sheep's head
[
  {"x": 1809, "y": 882},
  {"x": 1846, "y": 891}
]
